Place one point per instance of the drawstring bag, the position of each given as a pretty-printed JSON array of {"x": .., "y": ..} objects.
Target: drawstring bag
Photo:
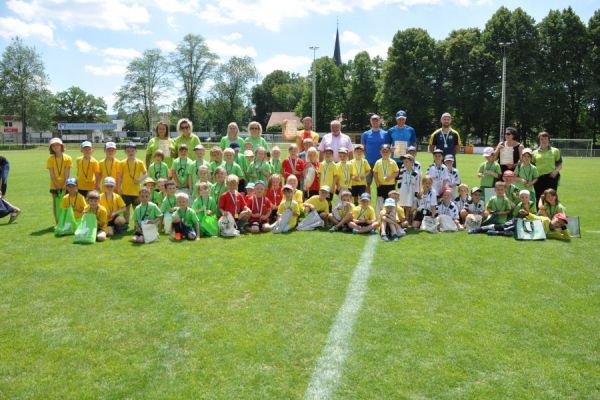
[
  {"x": 150, "y": 232},
  {"x": 209, "y": 226},
  {"x": 309, "y": 178},
  {"x": 473, "y": 221},
  {"x": 529, "y": 230},
  {"x": 67, "y": 224},
  {"x": 227, "y": 226},
  {"x": 282, "y": 225},
  {"x": 86, "y": 232},
  {"x": 311, "y": 222},
  {"x": 168, "y": 222},
  {"x": 429, "y": 224},
  {"x": 446, "y": 224}
]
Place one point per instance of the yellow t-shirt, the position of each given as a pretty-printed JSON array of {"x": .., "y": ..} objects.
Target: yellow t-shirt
[
  {"x": 399, "y": 214},
  {"x": 385, "y": 168},
  {"x": 299, "y": 198},
  {"x": 86, "y": 173},
  {"x": 58, "y": 166},
  {"x": 110, "y": 168},
  {"x": 78, "y": 204},
  {"x": 130, "y": 172},
  {"x": 111, "y": 205},
  {"x": 320, "y": 205},
  {"x": 101, "y": 216},
  {"x": 293, "y": 205},
  {"x": 345, "y": 172},
  {"x": 363, "y": 214},
  {"x": 362, "y": 168},
  {"x": 327, "y": 173}
]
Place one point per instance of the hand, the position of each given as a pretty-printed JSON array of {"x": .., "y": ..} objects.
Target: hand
[{"x": 209, "y": 212}]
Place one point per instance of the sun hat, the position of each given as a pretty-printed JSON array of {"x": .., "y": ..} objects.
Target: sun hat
[
  {"x": 110, "y": 145},
  {"x": 87, "y": 143},
  {"x": 325, "y": 188},
  {"x": 389, "y": 203},
  {"x": 488, "y": 151}
]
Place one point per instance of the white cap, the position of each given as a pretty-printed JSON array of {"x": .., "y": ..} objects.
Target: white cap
[{"x": 488, "y": 151}]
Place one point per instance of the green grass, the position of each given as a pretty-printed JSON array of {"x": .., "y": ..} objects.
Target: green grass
[{"x": 446, "y": 316}]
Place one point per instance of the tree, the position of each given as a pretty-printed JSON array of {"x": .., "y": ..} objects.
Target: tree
[
  {"x": 231, "y": 91},
  {"x": 278, "y": 91},
  {"x": 145, "y": 80},
  {"x": 564, "y": 47},
  {"x": 75, "y": 105},
  {"x": 23, "y": 80},
  {"x": 193, "y": 63},
  {"x": 330, "y": 93},
  {"x": 593, "y": 62},
  {"x": 408, "y": 78},
  {"x": 43, "y": 109},
  {"x": 361, "y": 90}
]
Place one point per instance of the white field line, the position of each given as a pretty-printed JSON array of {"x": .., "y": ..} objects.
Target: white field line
[{"x": 328, "y": 371}]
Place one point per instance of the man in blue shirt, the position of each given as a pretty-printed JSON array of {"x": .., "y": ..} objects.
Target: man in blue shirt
[
  {"x": 372, "y": 140},
  {"x": 402, "y": 136}
]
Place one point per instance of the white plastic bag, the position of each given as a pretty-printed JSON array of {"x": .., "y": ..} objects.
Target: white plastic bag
[
  {"x": 168, "y": 222},
  {"x": 227, "y": 226},
  {"x": 429, "y": 224},
  {"x": 473, "y": 221},
  {"x": 446, "y": 224},
  {"x": 311, "y": 222},
  {"x": 150, "y": 232},
  {"x": 282, "y": 225}
]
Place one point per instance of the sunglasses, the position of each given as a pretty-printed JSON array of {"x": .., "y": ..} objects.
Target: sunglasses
[
  {"x": 185, "y": 127},
  {"x": 254, "y": 129}
]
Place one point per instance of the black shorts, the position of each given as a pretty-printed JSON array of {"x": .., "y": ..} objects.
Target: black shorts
[
  {"x": 312, "y": 193},
  {"x": 258, "y": 224},
  {"x": 184, "y": 229},
  {"x": 420, "y": 214},
  {"x": 363, "y": 224},
  {"x": 358, "y": 190},
  {"x": 83, "y": 192},
  {"x": 54, "y": 191},
  {"x": 130, "y": 200},
  {"x": 384, "y": 190}
]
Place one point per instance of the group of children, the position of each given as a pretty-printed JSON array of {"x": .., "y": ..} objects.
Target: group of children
[{"x": 255, "y": 191}]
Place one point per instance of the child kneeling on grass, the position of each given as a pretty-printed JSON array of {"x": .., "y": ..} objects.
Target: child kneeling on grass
[
  {"x": 232, "y": 206},
  {"x": 185, "y": 221},
  {"x": 288, "y": 210},
  {"x": 93, "y": 207},
  {"x": 316, "y": 210},
  {"x": 341, "y": 214},
  {"x": 363, "y": 216},
  {"x": 260, "y": 208},
  {"x": 426, "y": 202},
  {"x": 473, "y": 210},
  {"x": 447, "y": 212},
  {"x": 73, "y": 198},
  {"x": 390, "y": 221},
  {"x": 145, "y": 213},
  {"x": 499, "y": 207}
]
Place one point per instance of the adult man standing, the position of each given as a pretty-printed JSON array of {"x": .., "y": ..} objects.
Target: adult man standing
[
  {"x": 445, "y": 138},
  {"x": 307, "y": 133},
  {"x": 402, "y": 136},
  {"x": 335, "y": 140},
  {"x": 372, "y": 140}
]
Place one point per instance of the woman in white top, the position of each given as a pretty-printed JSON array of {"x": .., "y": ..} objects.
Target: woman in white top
[{"x": 508, "y": 152}]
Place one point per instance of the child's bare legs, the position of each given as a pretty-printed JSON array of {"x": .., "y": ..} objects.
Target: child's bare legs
[
  {"x": 363, "y": 229},
  {"x": 416, "y": 224},
  {"x": 339, "y": 224},
  {"x": 54, "y": 196},
  {"x": 463, "y": 216}
]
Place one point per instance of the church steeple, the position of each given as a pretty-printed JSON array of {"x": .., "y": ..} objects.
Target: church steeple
[{"x": 337, "y": 55}]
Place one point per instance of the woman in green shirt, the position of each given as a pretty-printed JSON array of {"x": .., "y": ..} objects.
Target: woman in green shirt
[
  {"x": 162, "y": 141},
  {"x": 255, "y": 130},
  {"x": 233, "y": 132},
  {"x": 548, "y": 162}
]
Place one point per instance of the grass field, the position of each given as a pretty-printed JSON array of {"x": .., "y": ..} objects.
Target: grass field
[{"x": 444, "y": 316}]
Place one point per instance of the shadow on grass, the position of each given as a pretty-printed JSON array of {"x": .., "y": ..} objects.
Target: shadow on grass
[{"x": 42, "y": 232}]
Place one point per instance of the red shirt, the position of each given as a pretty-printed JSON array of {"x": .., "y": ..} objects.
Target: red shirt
[
  {"x": 233, "y": 203},
  {"x": 315, "y": 186},
  {"x": 275, "y": 196},
  {"x": 260, "y": 205},
  {"x": 292, "y": 167}
]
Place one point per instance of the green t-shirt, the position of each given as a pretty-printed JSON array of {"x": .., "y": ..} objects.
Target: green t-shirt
[
  {"x": 546, "y": 160},
  {"x": 166, "y": 145},
  {"x": 217, "y": 190},
  {"x": 213, "y": 166},
  {"x": 258, "y": 170},
  {"x": 157, "y": 171},
  {"x": 512, "y": 192},
  {"x": 226, "y": 142},
  {"x": 202, "y": 205},
  {"x": 181, "y": 169},
  {"x": 191, "y": 142},
  {"x": 551, "y": 211},
  {"x": 532, "y": 208},
  {"x": 168, "y": 202},
  {"x": 143, "y": 212},
  {"x": 234, "y": 169},
  {"x": 257, "y": 142},
  {"x": 499, "y": 204},
  {"x": 487, "y": 181},
  {"x": 528, "y": 172},
  {"x": 193, "y": 170},
  {"x": 157, "y": 197},
  {"x": 276, "y": 166},
  {"x": 189, "y": 217}
]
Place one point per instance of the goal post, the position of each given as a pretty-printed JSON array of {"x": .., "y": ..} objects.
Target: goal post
[{"x": 574, "y": 147}]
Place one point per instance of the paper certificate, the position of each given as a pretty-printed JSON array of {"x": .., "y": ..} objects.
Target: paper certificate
[
  {"x": 399, "y": 148},
  {"x": 506, "y": 155},
  {"x": 289, "y": 129},
  {"x": 165, "y": 146}
]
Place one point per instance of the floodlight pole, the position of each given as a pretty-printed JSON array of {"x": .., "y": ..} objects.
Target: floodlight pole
[
  {"x": 314, "y": 86},
  {"x": 504, "y": 45}
]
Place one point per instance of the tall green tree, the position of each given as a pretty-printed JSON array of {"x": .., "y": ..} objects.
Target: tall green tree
[
  {"x": 361, "y": 91},
  {"x": 76, "y": 105},
  {"x": 563, "y": 50},
  {"x": 145, "y": 81},
  {"x": 193, "y": 63},
  {"x": 278, "y": 91},
  {"x": 408, "y": 78},
  {"x": 593, "y": 62},
  {"x": 329, "y": 93},
  {"x": 23, "y": 80},
  {"x": 231, "y": 92}
]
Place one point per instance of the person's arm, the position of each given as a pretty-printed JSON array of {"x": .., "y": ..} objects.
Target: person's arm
[
  {"x": 458, "y": 144},
  {"x": 431, "y": 147},
  {"x": 52, "y": 179},
  {"x": 557, "y": 167}
]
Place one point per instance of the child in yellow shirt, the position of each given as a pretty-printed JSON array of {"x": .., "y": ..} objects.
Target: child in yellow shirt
[
  {"x": 73, "y": 198},
  {"x": 93, "y": 207},
  {"x": 363, "y": 216}
]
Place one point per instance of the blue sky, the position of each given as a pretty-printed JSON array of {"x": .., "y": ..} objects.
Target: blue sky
[{"x": 88, "y": 43}]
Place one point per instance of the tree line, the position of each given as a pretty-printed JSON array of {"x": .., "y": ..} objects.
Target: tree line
[{"x": 553, "y": 83}]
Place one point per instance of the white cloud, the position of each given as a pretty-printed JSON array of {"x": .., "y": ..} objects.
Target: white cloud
[
  {"x": 177, "y": 6},
  {"x": 349, "y": 37},
  {"x": 11, "y": 27},
  {"x": 227, "y": 50},
  {"x": 284, "y": 62},
  {"x": 373, "y": 45},
  {"x": 84, "y": 46},
  {"x": 121, "y": 53},
  {"x": 107, "y": 70},
  {"x": 172, "y": 22},
  {"x": 116, "y": 15},
  {"x": 166, "y": 45},
  {"x": 115, "y": 61},
  {"x": 232, "y": 37}
]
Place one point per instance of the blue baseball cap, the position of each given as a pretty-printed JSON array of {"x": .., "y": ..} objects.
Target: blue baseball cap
[
  {"x": 71, "y": 181},
  {"x": 234, "y": 145},
  {"x": 130, "y": 145},
  {"x": 365, "y": 196},
  {"x": 401, "y": 114}
]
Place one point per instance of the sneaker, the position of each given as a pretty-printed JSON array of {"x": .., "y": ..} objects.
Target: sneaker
[
  {"x": 472, "y": 231},
  {"x": 384, "y": 238},
  {"x": 14, "y": 216},
  {"x": 495, "y": 233},
  {"x": 395, "y": 238},
  {"x": 178, "y": 236},
  {"x": 333, "y": 229},
  {"x": 355, "y": 231}
]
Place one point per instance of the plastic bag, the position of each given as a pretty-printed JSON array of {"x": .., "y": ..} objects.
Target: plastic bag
[
  {"x": 150, "y": 232},
  {"x": 446, "y": 224},
  {"x": 209, "y": 226},
  {"x": 529, "y": 230},
  {"x": 311, "y": 222},
  {"x": 227, "y": 226},
  {"x": 86, "y": 232},
  {"x": 168, "y": 222},
  {"x": 429, "y": 224},
  {"x": 282, "y": 225},
  {"x": 67, "y": 224}
]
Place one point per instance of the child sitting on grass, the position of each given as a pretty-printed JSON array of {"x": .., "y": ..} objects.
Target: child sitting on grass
[
  {"x": 499, "y": 207},
  {"x": 185, "y": 221},
  {"x": 473, "y": 210},
  {"x": 390, "y": 223},
  {"x": 290, "y": 206},
  {"x": 93, "y": 207},
  {"x": 426, "y": 202},
  {"x": 73, "y": 198},
  {"x": 260, "y": 209},
  {"x": 232, "y": 204},
  {"x": 512, "y": 191},
  {"x": 8, "y": 209},
  {"x": 549, "y": 205},
  {"x": 341, "y": 214},
  {"x": 114, "y": 205},
  {"x": 145, "y": 213},
  {"x": 204, "y": 203},
  {"x": 318, "y": 204},
  {"x": 364, "y": 219},
  {"x": 525, "y": 206},
  {"x": 447, "y": 208}
]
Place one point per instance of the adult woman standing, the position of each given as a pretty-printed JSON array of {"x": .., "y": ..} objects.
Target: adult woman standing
[
  {"x": 233, "y": 135},
  {"x": 163, "y": 142},
  {"x": 548, "y": 161},
  {"x": 185, "y": 129},
  {"x": 508, "y": 152},
  {"x": 255, "y": 130}
]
